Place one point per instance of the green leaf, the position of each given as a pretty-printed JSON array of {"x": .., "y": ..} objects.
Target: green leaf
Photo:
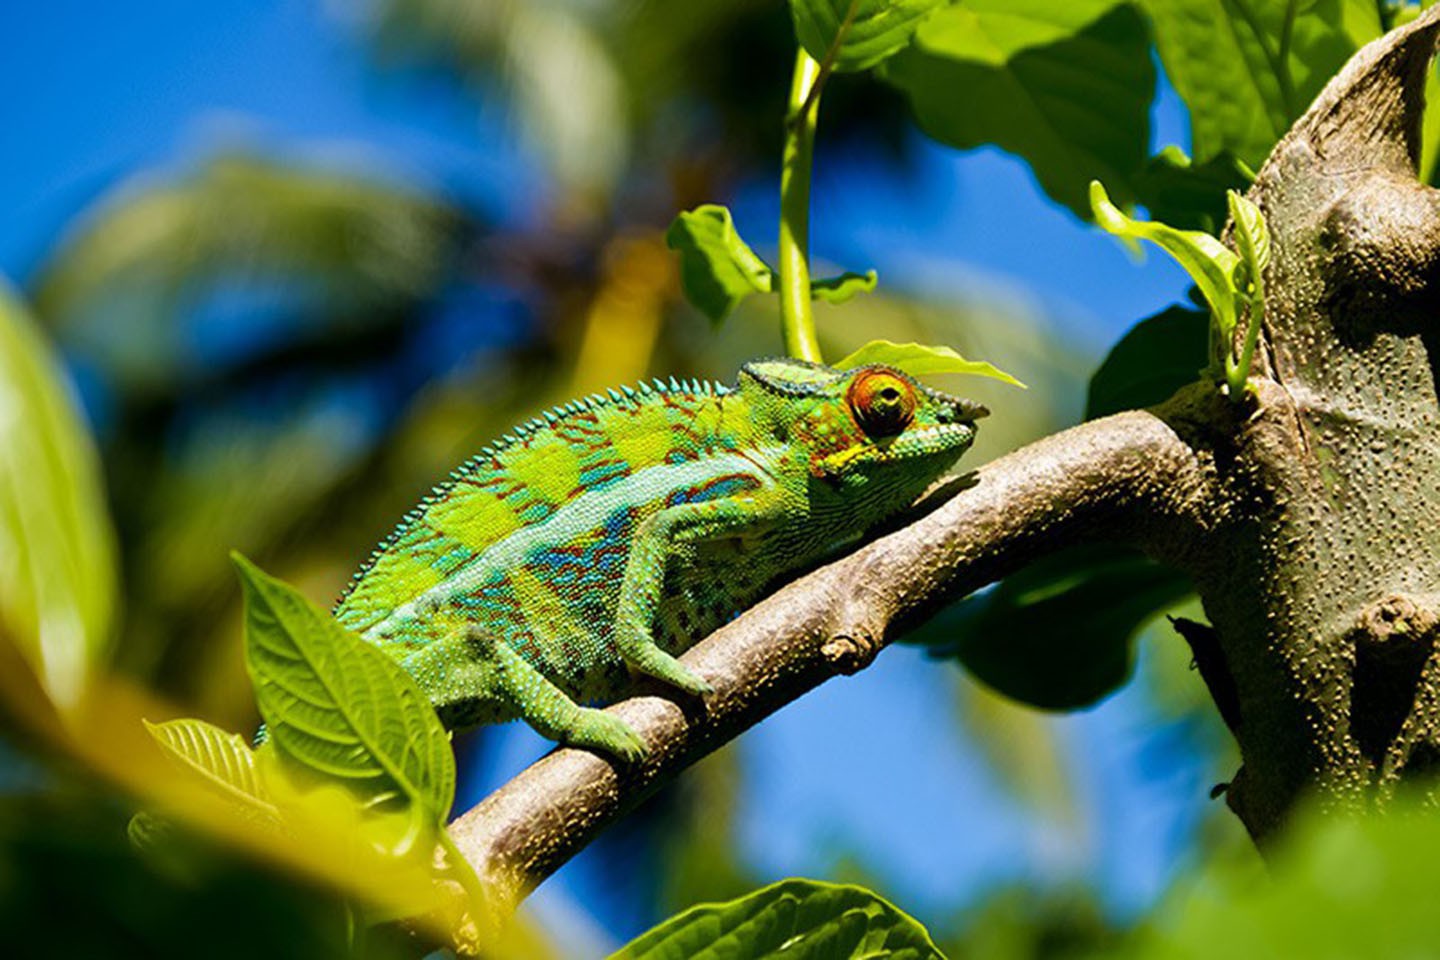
[
  {"x": 794, "y": 919},
  {"x": 1247, "y": 69},
  {"x": 1334, "y": 885},
  {"x": 222, "y": 760},
  {"x": 842, "y": 288},
  {"x": 1158, "y": 356},
  {"x": 1189, "y": 195},
  {"x": 919, "y": 360},
  {"x": 717, "y": 268},
  {"x": 1057, "y": 634},
  {"x": 339, "y": 706},
  {"x": 57, "y": 550},
  {"x": 1252, "y": 237},
  {"x": 1209, "y": 262},
  {"x": 875, "y": 31},
  {"x": 1067, "y": 86}
]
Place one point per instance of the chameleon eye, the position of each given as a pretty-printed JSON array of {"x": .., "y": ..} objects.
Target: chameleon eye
[{"x": 882, "y": 402}]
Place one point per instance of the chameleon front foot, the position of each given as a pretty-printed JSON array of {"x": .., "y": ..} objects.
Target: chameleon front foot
[{"x": 598, "y": 730}]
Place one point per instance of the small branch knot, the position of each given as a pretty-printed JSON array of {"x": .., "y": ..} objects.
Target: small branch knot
[
  {"x": 1397, "y": 616},
  {"x": 852, "y": 652}
]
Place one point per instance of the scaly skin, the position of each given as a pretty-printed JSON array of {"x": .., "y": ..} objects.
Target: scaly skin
[{"x": 611, "y": 534}]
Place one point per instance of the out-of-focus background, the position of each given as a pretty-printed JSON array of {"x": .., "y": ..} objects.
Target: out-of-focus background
[{"x": 302, "y": 257}]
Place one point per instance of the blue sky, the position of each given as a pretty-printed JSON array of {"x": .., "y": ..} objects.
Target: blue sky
[{"x": 99, "y": 94}]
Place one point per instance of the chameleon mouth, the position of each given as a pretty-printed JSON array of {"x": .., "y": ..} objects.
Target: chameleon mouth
[{"x": 946, "y": 438}]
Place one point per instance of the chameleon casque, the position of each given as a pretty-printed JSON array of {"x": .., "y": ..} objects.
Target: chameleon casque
[{"x": 611, "y": 534}]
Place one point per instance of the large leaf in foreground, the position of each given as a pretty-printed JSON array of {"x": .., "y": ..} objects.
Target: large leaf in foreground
[
  {"x": 794, "y": 919},
  {"x": 1332, "y": 887},
  {"x": 57, "y": 552},
  {"x": 1067, "y": 86},
  {"x": 1057, "y": 634},
  {"x": 339, "y": 706}
]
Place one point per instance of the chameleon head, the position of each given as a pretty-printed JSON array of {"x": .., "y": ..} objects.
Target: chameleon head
[{"x": 872, "y": 423}]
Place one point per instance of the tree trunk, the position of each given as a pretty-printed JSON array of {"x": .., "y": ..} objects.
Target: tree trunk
[{"x": 1322, "y": 575}]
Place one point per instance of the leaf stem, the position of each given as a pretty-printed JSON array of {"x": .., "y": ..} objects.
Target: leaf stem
[
  {"x": 1237, "y": 372},
  {"x": 797, "y": 320}
]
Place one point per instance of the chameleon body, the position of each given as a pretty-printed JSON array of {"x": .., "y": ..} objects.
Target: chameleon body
[{"x": 609, "y": 535}]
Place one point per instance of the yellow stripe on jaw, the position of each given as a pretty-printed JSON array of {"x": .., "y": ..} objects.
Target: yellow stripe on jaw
[{"x": 837, "y": 462}]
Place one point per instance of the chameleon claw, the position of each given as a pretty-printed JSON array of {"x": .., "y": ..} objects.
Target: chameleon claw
[{"x": 598, "y": 730}]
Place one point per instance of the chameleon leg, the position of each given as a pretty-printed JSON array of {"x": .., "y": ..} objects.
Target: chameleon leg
[
  {"x": 640, "y": 593},
  {"x": 451, "y": 672}
]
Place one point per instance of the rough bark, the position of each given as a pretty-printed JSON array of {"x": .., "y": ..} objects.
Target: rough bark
[
  {"x": 1322, "y": 596},
  {"x": 1307, "y": 512}
]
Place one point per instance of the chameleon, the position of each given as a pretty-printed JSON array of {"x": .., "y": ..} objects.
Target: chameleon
[{"x": 605, "y": 537}]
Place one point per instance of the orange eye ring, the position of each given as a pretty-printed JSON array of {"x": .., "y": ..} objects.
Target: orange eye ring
[{"x": 883, "y": 403}]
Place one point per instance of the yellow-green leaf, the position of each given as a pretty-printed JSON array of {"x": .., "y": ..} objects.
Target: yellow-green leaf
[
  {"x": 918, "y": 360},
  {"x": 57, "y": 550},
  {"x": 842, "y": 288},
  {"x": 222, "y": 760},
  {"x": 1209, "y": 262}
]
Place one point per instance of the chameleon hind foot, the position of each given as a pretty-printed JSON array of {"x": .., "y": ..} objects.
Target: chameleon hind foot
[
  {"x": 599, "y": 730},
  {"x": 649, "y": 659}
]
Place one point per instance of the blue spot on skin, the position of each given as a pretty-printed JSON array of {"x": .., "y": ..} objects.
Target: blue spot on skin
[
  {"x": 717, "y": 489},
  {"x": 604, "y": 475},
  {"x": 536, "y": 512}
]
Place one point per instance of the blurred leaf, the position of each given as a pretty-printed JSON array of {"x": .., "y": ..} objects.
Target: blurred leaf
[
  {"x": 796, "y": 919},
  {"x": 1189, "y": 195},
  {"x": 1057, "y": 634},
  {"x": 873, "y": 32},
  {"x": 1022, "y": 748},
  {"x": 1209, "y": 262},
  {"x": 1333, "y": 887},
  {"x": 717, "y": 268},
  {"x": 1247, "y": 69},
  {"x": 844, "y": 287},
  {"x": 351, "y": 245},
  {"x": 223, "y": 760},
  {"x": 340, "y": 706},
  {"x": 1067, "y": 86},
  {"x": 57, "y": 551},
  {"x": 73, "y": 886},
  {"x": 1158, "y": 356},
  {"x": 1031, "y": 921},
  {"x": 918, "y": 360}
]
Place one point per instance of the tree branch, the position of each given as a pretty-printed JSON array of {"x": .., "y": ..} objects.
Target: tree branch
[{"x": 1127, "y": 478}]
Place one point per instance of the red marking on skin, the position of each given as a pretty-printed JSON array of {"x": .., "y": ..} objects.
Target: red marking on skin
[
  {"x": 484, "y": 477},
  {"x": 512, "y": 490}
]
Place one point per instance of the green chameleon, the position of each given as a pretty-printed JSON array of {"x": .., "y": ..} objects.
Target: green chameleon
[{"x": 611, "y": 534}]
